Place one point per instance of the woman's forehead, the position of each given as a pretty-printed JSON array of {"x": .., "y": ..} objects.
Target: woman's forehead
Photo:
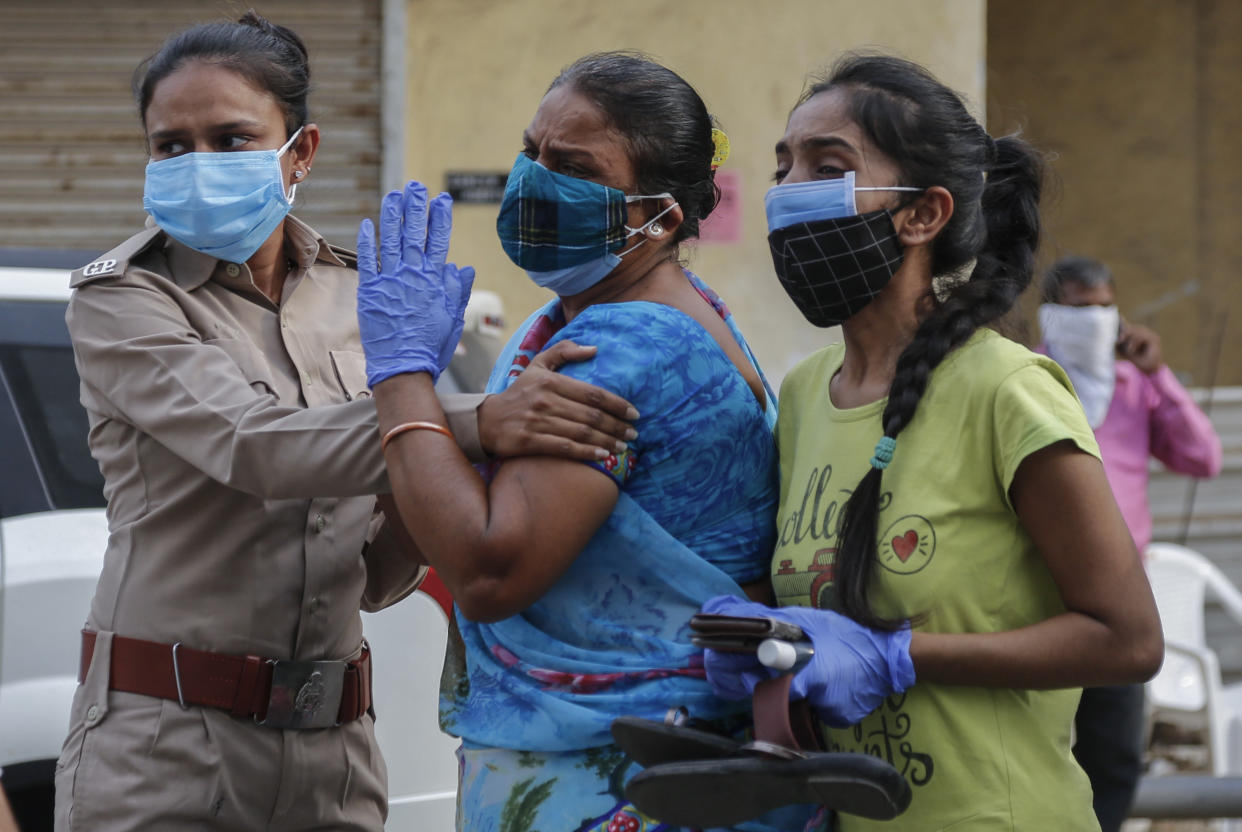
[
  {"x": 825, "y": 114},
  {"x": 205, "y": 91},
  {"x": 565, "y": 111},
  {"x": 825, "y": 123},
  {"x": 570, "y": 126}
]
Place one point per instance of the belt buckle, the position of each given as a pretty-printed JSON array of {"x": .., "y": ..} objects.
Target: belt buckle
[{"x": 304, "y": 695}]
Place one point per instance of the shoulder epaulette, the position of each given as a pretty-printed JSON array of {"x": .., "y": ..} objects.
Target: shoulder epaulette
[
  {"x": 348, "y": 256},
  {"x": 115, "y": 262}
]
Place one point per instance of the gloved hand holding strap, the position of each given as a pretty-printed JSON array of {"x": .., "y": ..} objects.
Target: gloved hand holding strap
[{"x": 853, "y": 668}]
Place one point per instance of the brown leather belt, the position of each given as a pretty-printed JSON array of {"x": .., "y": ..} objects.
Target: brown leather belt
[{"x": 276, "y": 693}]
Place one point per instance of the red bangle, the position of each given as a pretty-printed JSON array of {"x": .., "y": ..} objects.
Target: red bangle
[{"x": 408, "y": 426}]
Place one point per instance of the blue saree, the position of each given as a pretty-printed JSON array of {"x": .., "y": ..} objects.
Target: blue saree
[{"x": 533, "y": 696}]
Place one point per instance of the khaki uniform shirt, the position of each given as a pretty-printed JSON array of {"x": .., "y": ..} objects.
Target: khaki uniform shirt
[{"x": 239, "y": 449}]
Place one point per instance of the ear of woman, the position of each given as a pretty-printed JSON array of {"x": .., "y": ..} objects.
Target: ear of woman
[
  {"x": 667, "y": 224},
  {"x": 927, "y": 215},
  {"x": 302, "y": 154}
]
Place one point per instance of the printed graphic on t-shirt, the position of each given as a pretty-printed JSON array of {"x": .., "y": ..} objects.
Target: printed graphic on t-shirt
[
  {"x": 818, "y": 517},
  {"x": 815, "y": 584},
  {"x": 907, "y": 545},
  {"x": 885, "y": 734}
]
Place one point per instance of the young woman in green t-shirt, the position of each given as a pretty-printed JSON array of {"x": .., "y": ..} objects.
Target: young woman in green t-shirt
[{"x": 959, "y": 581}]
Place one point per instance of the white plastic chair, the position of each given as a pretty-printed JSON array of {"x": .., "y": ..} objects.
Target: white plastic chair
[{"x": 1188, "y": 691}]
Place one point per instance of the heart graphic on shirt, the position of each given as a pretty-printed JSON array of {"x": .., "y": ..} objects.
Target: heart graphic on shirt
[{"x": 905, "y": 545}]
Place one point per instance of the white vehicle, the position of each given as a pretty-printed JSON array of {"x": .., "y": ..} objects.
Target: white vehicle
[{"x": 53, "y": 533}]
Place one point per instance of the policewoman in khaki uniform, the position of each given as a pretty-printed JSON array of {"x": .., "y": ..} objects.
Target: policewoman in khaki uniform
[{"x": 225, "y": 682}]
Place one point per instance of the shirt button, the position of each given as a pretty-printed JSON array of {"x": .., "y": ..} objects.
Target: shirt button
[
  {"x": 314, "y": 605},
  {"x": 284, "y": 320},
  {"x": 232, "y": 270},
  {"x": 92, "y": 714},
  {"x": 320, "y": 523},
  {"x": 306, "y": 378}
]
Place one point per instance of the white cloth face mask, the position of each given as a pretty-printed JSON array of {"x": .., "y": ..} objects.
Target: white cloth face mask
[{"x": 1083, "y": 340}]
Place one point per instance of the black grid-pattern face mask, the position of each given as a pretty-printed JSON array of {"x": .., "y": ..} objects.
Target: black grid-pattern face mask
[{"x": 831, "y": 269}]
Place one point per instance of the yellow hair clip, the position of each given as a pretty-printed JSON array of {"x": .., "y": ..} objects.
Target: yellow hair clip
[{"x": 721, "y": 143}]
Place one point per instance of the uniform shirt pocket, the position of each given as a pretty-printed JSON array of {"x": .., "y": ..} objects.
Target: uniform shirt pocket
[
  {"x": 351, "y": 373},
  {"x": 250, "y": 361}
]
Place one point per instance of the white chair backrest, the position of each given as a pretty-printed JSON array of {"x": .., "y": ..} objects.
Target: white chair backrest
[{"x": 1179, "y": 582}]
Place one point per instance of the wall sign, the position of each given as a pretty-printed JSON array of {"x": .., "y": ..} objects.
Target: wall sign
[{"x": 478, "y": 187}]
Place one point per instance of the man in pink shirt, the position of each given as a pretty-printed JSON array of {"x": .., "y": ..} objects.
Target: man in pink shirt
[{"x": 1138, "y": 410}]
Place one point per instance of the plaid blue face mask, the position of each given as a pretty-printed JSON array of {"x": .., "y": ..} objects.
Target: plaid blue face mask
[{"x": 562, "y": 230}]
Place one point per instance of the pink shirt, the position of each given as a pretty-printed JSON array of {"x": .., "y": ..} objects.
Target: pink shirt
[{"x": 1152, "y": 416}]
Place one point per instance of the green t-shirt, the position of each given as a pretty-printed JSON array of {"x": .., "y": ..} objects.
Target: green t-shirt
[{"x": 951, "y": 548}]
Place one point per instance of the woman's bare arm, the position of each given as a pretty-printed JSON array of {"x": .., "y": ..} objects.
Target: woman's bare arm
[
  {"x": 1110, "y": 632},
  {"x": 497, "y": 547}
]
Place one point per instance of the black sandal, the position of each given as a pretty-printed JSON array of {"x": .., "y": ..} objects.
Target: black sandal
[
  {"x": 704, "y": 794},
  {"x": 676, "y": 739},
  {"x": 697, "y": 778}
]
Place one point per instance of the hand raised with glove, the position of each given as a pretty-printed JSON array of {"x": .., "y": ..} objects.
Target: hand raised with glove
[
  {"x": 411, "y": 302},
  {"x": 854, "y": 667}
]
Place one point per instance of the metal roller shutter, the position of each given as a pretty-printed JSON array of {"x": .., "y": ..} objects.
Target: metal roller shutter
[{"x": 71, "y": 145}]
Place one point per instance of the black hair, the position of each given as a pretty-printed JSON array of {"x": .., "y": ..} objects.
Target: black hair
[
  {"x": 664, "y": 122},
  {"x": 926, "y": 130},
  {"x": 1073, "y": 269},
  {"x": 271, "y": 57}
]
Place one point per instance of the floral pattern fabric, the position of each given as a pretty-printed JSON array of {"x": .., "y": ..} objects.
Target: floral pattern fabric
[{"x": 522, "y": 791}]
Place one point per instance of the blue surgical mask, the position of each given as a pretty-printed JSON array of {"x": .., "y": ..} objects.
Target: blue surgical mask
[
  {"x": 562, "y": 230},
  {"x": 822, "y": 199},
  {"x": 224, "y": 204}
]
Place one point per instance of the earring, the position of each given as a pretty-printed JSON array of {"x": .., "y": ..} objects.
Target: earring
[
  {"x": 297, "y": 174},
  {"x": 656, "y": 229}
]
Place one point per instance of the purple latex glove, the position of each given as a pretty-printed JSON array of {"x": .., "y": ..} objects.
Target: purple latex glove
[
  {"x": 411, "y": 304},
  {"x": 854, "y": 667},
  {"x": 734, "y": 675}
]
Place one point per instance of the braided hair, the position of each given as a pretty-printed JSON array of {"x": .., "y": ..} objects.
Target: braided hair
[
  {"x": 926, "y": 130},
  {"x": 271, "y": 57}
]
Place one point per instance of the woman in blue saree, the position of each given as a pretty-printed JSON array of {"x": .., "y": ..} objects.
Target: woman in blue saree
[{"x": 574, "y": 582}]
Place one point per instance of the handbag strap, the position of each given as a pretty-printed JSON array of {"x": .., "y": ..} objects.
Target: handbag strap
[{"x": 781, "y": 722}]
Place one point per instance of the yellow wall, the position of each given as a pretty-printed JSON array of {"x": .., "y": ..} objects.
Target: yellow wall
[
  {"x": 477, "y": 70},
  {"x": 1137, "y": 105}
]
